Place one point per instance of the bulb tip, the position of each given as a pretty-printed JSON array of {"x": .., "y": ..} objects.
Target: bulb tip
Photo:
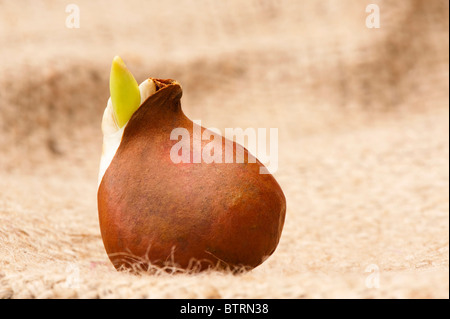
[{"x": 124, "y": 90}]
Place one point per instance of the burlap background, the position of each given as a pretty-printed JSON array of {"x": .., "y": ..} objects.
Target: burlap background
[{"x": 363, "y": 139}]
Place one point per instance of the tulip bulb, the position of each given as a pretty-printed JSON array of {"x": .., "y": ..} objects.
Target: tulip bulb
[{"x": 153, "y": 211}]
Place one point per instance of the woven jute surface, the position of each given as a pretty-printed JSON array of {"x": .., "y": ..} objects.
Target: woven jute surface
[{"x": 363, "y": 139}]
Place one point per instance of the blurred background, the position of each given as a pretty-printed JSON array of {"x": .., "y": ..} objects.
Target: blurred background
[
  {"x": 300, "y": 66},
  {"x": 362, "y": 116}
]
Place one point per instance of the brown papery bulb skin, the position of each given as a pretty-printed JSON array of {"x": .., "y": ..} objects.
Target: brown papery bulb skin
[{"x": 187, "y": 215}]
